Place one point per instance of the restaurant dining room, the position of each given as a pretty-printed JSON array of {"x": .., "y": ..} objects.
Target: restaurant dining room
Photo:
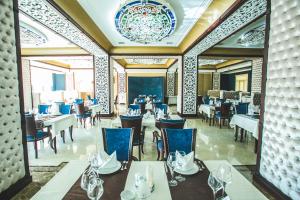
[{"x": 150, "y": 99}]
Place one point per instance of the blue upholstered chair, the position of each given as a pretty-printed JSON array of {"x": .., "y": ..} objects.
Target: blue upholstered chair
[
  {"x": 163, "y": 107},
  {"x": 242, "y": 108},
  {"x": 43, "y": 108},
  {"x": 119, "y": 140},
  {"x": 82, "y": 114},
  {"x": 95, "y": 101},
  {"x": 65, "y": 109},
  {"x": 179, "y": 140},
  {"x": 139, "y": 131},
  {"x": 223, "y": 114},
  {"x": 206, "y": 100},
  {"x": 78, "y": 101},
  {"x": 34, "y": 135},
  {"x": 134, "y": 106},
  {"x": 162, "y": 124}
]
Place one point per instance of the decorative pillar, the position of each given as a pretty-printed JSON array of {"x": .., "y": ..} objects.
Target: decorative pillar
[
  {"x": 216, "y": 81},
  {"x": 27, "y": 90},
  {"x": 280, "y": 119},
  {"x": 171, "y": 83},
  {"x": 103, "y": 84},
  {"x": 14, "y": 168},
  {"x": 189, "y": 85},
  {"x": 256, "y": 75},
  {"x": 122, "y": 87}
]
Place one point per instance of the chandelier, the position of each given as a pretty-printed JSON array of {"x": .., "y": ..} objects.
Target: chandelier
[{"x": 145, "y": 21}]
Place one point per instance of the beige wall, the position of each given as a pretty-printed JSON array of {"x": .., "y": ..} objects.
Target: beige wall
[{"x": 204, "y": 83}]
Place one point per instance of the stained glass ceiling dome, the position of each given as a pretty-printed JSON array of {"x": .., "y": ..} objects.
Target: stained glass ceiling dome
[{"x": 145, "y": 21}]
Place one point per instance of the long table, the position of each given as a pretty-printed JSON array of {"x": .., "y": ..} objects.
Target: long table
[
  {"x": 67, "y": 181},
  {"x": 248, "y": 123}
]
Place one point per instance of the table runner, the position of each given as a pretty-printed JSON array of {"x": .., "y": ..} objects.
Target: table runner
[{"x": 195, "y": 187}]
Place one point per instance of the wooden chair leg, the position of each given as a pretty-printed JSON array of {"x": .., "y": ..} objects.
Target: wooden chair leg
[
  {"x": 158, "y": 154},
  {"x": 139, "y": 146},
  {"x": 84, "y": 122},
  {"x": 54, "y": 142},
  {"x": 71, "y": 132},
  {"x": 220, "y": 123},
  {"x": 35, "y": 149},
  {"x": 142, "y": 149},
  {"x": 62, "y": 134}
]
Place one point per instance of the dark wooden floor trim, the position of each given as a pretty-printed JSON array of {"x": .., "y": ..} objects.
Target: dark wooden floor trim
[{"x": 269, "y": 187}]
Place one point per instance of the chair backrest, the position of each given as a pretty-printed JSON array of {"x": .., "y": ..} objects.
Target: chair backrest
[
  {"x": 134, "y": 106},
  {"x": 43, "y": 108},
  {"x": 119, "y": 140},
  {"x": 171, "y": 123},
  {"x": 133, "y": 122},
  {"x": 95, "y": 101},
  {"x": 65, "y": 109},
  {"x": 30, "y": 125},
  {"x": 79, "y": 109},
  {"x": 179, "y": 140},
  {"x": 163, "y": 107},
  {"x": 205, "y": 100},
  {"x": 225, "y": 109},
  {"x": 78, "y": 101},
  {"x": 242, "y": 108},
  {"x": 143, "y": 107}
]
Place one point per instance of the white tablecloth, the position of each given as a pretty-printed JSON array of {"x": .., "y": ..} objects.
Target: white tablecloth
[
  {"x": 95, "y": 109},
  {"x": 205, "y": 109},
  {"x": 245, "y": 122},
  {"x": 160, "y": 180},
  {"x": 60, "y": 123}
]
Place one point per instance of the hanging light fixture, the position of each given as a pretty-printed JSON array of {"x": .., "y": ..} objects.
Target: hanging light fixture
[{"x": 145, "y": 21}]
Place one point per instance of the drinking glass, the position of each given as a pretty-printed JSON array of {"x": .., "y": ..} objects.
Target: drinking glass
[
  {"x": 179, "y": 164},
  {"x": 95, "y": 188},
  {"x": 214, "y": 183},
  {"x": 85, "y": 178},
  {"x": 171, "y": 162},
  {"x": 224, "y": 174}
]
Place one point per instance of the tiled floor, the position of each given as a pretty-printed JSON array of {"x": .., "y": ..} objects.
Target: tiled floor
[{"x": 212, "y": 144}]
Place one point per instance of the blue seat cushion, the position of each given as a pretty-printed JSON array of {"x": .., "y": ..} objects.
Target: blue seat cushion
[
  {"x": 39, "y": 135},
  {"x": 160, "y": 145}
]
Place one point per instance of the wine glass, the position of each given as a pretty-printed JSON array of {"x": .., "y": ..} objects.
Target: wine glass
[
  {"x": 179, "y": 164},
  {"x": 95, "y": 188},
  {"x": 224, "y": 174},
  {"x": 214, "y": 183},
  {"x": 85, "y": 178},
  {"x": 171, "y": 162}
]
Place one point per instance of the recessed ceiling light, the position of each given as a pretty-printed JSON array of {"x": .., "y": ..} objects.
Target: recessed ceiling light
[
  {"x": 170, "y": 43},
  {"x": 121, "y": 42}
]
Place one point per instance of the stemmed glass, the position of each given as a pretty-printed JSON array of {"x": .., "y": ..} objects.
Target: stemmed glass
[
  {"x": 95, "y": 188},
  {"x": 214, "y": 183},
  {"x": 179, "y": 164},
  {"x": 224, "y": 174},
  {"x": 171, "y": 162}
]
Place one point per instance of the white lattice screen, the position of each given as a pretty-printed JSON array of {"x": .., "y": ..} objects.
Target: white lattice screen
[
  {"x": 12, "y": 167},
  {"x": 26, "y": 84},
  {"x": 280, "y": 156},
  {"x": 256, "y": 75}
]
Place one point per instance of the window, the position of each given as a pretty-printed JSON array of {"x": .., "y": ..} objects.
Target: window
[{"x": 241, "y": 82}]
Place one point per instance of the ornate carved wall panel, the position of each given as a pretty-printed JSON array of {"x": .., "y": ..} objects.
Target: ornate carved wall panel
[
  {"x": 122, "y": 86},
  {"x": 216, "y": 80},
  {"x": 256, "y": 75},
  {"x": 250, "y": 10},
  {"x": 189, "y": 82},
  {"x": 102, "y": 81},
  {"x": 12, "y": 166},
  {"x": 26, "y": 75},
  {"x": 280, "y": 154},
  {"x": 171, "y": 83}
]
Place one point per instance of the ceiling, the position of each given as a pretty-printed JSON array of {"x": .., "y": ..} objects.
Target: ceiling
[
  {"x": 35, "y": 35},
  {"x": 70, "y": 62},
  {"x": 146, "y": 62},
  {"x": 255, "y": 33},
  {"x": 103, "y": 14}
]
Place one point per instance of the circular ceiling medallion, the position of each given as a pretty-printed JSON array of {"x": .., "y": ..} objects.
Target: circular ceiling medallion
[
  {"x": 32, "y": 36},
  {"x": 145, "y": 21},
  {"x": 253, "y": 37}
]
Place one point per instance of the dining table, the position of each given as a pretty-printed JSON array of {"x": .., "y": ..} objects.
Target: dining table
[
  {"x": 66, "y": 183},
  {"x": 95, "y": 109},
  {"x": 208, "y": 110}
]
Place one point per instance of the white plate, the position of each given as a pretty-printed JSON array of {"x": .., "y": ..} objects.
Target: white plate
[
  {"x": 191, "y": 171},
  {"x": 109, "y": 170}
]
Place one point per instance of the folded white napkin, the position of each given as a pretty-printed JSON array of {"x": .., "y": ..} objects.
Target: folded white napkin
[
  {"x": 107, "y": 161},
  {"x": 186, "y": 162}
]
